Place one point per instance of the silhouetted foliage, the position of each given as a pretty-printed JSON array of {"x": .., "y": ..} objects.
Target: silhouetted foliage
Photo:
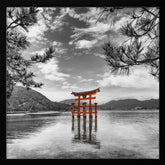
[
  {"x": 142, "y": 44},
  {"x": 17, "y": 67}
]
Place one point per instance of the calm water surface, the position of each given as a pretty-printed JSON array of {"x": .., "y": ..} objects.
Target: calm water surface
[{"x": 113, "y": 135}]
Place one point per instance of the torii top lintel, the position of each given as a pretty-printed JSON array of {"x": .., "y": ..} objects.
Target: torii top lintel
[{"x": 86, "y": 92}]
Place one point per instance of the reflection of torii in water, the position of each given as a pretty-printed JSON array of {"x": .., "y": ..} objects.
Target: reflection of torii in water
[
  {"x": 82, "y": 135},
  {"x": 83, "y": 96}
]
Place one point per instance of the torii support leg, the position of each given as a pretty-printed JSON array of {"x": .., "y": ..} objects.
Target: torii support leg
[
  {"x": 95, "y": 109},
  {"x": 72, "y": 123},
  {"x": 72, "y": 109},
  {"x": 90, "y": 128},
  {"x": 90, "y": 106},
  {"x": 84, "y": 109},
  {"x": 78, "y": 115}
]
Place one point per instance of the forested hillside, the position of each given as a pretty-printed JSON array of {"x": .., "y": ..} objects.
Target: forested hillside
[
  {"x": 128, "y": 104},
  {"x": 32, "y": 101}
]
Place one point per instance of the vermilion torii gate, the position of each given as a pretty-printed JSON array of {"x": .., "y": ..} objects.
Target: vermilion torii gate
[{"x": 86, "y": 95}]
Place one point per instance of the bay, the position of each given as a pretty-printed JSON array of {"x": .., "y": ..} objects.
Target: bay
[{"x": 112, "y": 135}]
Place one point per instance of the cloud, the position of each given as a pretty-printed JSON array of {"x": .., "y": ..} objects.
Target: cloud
[
  {"x": 90, "y": 16},
  {"x": 67, "y": 85},
  {"x": 36, "y": 32},
  {"x": 54, "y": 94},
  {"x": 90, "y": 36},
  {"x": 47, "y": 20},
  {"x": 80, "y": 84},
  {"x": 95, "y": 31},
  {"x": 54, "y": 22},
  {"x": 50, "y": 70},
  {"x": 81, "y": 79},
  {"x": 57, "y": 22},
  {"x": 139, "y": 78},
  {"x": 56, "y": 43},
  {"x": 85, "y": 44},
  {"x": 59, "y": 47},
  {"x": 99, "y": 55},
  {"x": 107, "y": 29}
]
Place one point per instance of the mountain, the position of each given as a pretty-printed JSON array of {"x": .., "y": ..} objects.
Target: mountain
[
  {"x": 129, "y": 104},
  {"x": 32, "y": 101},
  {"x": 70, "y": 101}
]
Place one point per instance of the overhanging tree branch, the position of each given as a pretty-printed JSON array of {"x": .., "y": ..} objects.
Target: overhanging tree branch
[
  {"x": 16, "y": 42},
  {"x": 142, "y": 32}
]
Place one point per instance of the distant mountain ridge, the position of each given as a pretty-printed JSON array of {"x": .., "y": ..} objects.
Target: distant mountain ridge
[
  {"x": 127, "y": 104},
  {"x": 32, "y": 101},
  {"x": 70, "y": 101},
  {"x": 124, "y": 104}
]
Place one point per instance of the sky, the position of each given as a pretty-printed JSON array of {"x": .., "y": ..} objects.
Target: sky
[{"x": 79, "y": 62}]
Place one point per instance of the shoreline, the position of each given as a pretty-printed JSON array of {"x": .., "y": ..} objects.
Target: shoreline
[
  {"x": 33, "y": 113},
  {"x": 57, "y": 112}
]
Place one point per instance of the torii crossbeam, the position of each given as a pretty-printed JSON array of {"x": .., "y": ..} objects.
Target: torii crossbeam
[{"x": 86, "y": 95}]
